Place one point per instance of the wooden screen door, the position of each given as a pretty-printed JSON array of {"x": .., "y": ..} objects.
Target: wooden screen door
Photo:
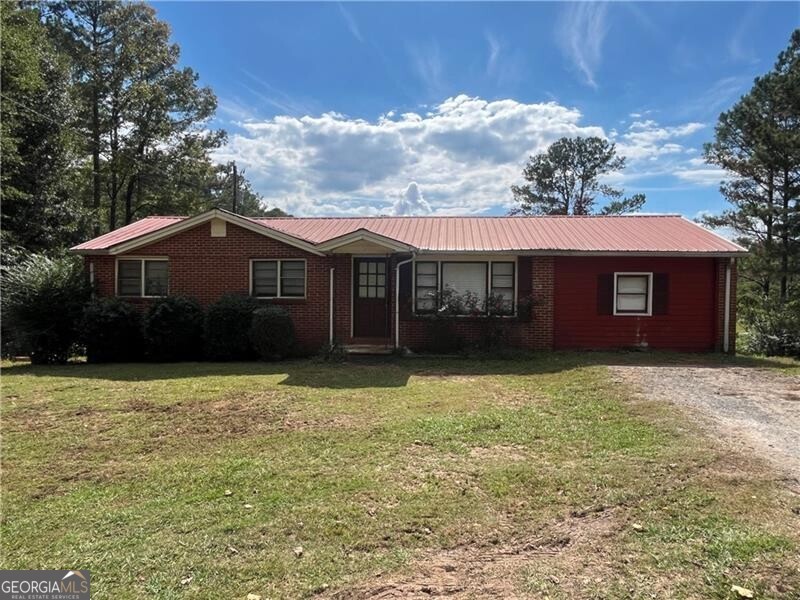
[{"x": 370, "y": 298}]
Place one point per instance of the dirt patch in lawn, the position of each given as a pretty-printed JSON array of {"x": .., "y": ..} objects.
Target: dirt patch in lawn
[
  {"x": 489, "y": 568},
  {"x": 747, "y": 409}
]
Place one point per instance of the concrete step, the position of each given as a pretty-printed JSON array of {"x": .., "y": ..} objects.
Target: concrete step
[{"x": 368, "y": 349}]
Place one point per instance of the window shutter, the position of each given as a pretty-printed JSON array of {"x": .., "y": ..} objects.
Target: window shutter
[
  {"x": 404, "y": 291},
  {"x": 524, "y": 282},
  {"x": 660, "y": 293},
  {"x": 605, "y": 294}
]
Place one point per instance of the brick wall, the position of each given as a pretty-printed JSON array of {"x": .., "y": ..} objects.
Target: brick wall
[
  {"x": 205, "y": 268},
  {"x": 532, "y": 333},
  {"x": 563, "y": 292}
]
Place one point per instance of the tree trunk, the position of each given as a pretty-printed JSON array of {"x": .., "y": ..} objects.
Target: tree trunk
[
  {"x": 96, "y": 183},
  {"x": 785, "y": 238}
]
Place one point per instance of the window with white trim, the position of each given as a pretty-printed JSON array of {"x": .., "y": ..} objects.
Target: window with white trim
[
  {"x": 502, "y": 289},
  {"x": 278, "y": 278},
  {"x": 142, "y": 278},
  {"x": 427, "y": 285},
  {"x": 632, "y": 293},
  {"x": 465, "y": 278},
  {"x": 435, "y": 281}
]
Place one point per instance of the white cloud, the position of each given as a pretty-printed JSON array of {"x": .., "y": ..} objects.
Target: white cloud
[
  {"x": 411, "y": 202},
  {"x": 494, "y": 53},
  {"x": 581, "y": 34},
  {"x": 464, "y": 152},
  {"x": 647, "y": 140},
  {"x": 351, "y": 23}
]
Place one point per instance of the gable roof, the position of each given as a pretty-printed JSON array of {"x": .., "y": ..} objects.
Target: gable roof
[{"x": 628, "y": 234}]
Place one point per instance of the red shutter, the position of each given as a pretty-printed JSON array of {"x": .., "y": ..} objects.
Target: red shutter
[
  {"x": 406, "y": 273},
  {"x": 660, "y": 293},
  {"x": 605, "y": 294}
]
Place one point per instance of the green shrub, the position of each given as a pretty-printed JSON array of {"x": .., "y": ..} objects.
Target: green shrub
[
  {"x": 112, "y": 331},
  {"x": 272, "y": 333},
  {"x": 42, "y": 306},
  {"x": 773, "y": 330},
  {"x": 227, "y": 328},
  {"x": 173, "y": 330}
]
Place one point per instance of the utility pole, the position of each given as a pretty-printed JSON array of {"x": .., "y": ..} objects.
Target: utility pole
[{"x": 235, "y": 188}]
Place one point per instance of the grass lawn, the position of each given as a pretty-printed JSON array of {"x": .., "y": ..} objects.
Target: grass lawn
[{"x": 536, "y": 477}]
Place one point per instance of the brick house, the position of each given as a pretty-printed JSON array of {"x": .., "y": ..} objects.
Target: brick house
[{"x": 656, "y": 281}]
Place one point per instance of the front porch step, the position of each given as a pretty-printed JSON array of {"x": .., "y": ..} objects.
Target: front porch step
[{"x": 368, "y": 349}]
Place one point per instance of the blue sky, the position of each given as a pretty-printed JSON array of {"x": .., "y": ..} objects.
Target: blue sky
[{"x": 405, "y": 108}]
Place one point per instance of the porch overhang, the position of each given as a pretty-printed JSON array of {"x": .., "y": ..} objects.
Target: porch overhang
[{"x": 363, "y": 241}]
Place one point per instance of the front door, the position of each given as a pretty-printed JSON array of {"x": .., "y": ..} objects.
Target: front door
[{"x": 370, "y": 298}]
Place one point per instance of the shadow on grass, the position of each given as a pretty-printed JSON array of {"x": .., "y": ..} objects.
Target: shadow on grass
[{"x": 384, "y": 372}]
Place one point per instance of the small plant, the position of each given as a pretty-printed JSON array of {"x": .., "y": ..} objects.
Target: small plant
[
  {"x": 42, "y": 304},
  {"x": 333, "y": 352},
  {"x": 272, "y": 333},
  {"x": 112, "y": 331},
  {"x": 227, "y": 328},
  {"x": 173, "y": 330}
]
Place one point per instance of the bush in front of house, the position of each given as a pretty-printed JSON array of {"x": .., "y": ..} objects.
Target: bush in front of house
[
  {"x": 173, "y": 330},
  {"x": 272, "y": 333},
  {"x": 42, "y": 304},
  {"x": 112, "y": 331},
  {"x": 227, "y": 328}
]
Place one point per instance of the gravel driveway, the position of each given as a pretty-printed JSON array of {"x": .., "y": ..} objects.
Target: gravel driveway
[{"x": 750, "y": 408}]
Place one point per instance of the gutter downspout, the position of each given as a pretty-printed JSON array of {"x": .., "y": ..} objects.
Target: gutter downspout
[
  {"x": 330, "y": 309},
  {"x": 727, "y": 318},
  {"x": 397, "y": 299}
]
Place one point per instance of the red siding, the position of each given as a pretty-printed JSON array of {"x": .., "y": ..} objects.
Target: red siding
[{"x": 690, "y": 324}]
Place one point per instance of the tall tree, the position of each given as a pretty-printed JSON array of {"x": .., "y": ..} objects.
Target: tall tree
[
  {"x": 566, "y": 180},
  {"x": 38, "y": 209},
  {"x": 758, "y": 143}
]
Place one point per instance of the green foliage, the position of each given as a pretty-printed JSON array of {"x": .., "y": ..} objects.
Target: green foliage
[
  {"x": 112, "y": 331},
  {"x": 42, "y": 305},
  {"x": 757, "y": 142},
  {"x": 332, "y": 352},
  {"x": 272, "y": 333},
  {"x": 565, "y": 180},
  {"x": 173, "y": 330},
  {"x": 39, "y": 209},
  {"x": 100, "y": 125},
  {"x": 773, "y": 330},
  {"x": 227, "y": 328}
]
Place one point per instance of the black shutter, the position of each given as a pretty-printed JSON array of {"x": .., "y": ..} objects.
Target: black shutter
[
  {"x": 524, "y": 282},
  {"x": 605, "y": 294},
  {"x": 406, "y": 273},
  {"x": 660, "y": 293}
]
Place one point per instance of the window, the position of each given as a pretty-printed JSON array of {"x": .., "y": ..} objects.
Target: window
[
  {"x": 465, "y": 287},
  {"x": 371, "y": 279},
  {"x": 293, "y": 278},
  {"x": 278, "y": 278},
  {"x": 427, "y": 283},
  {"x": 466, "y": 279},
  {"x": 142, "y": 277},
  {"x": 503, "y": 287},
  {"x": 632, "y": 293}
]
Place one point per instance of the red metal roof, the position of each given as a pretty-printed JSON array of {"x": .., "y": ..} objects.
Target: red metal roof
[
  {"x": 127, "y": 233},
  {"x": 627, "y": 233}
]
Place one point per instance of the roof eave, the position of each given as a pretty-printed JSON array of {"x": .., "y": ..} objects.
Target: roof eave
[
  {"x": 185, "y": 224},
  {"x": 365, "y": 235}
]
